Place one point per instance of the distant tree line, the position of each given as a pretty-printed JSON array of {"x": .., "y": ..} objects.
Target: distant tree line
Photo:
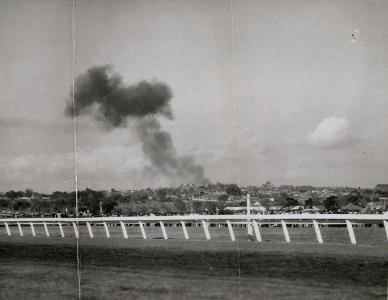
[
  {"x": 162, "y": 200},
  {"x": 91, "y": 202}
]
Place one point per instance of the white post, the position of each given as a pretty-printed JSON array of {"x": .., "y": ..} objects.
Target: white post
[
  {"x": 232, "y": 237},
  {"x": 20, "y": 229},
  {"x": 318, "y": 232},
  {"x": 61, "y": 229},
  {"x": 143, "y": 233},
  {"x": 106, "y": 230},
  {"x": 163, "y": 230},
  {"x": 351, "y": 232},
  {"x": 249, "y": 225},
  {"x": 386, "y": 227},
  {"x": 75, "y": 230},
  {"x": 90, "y": 230},
  {"x": 185, "y": 230},
  {"x": 257, "y": 230},
  {"x": 32, "y": 229},
  {"x": 206, "y": 229},
  {"x": 285, "y": 230},
  {"x": 46, "y": 229},
  {"x": 7, "y": 228},
  {"x": 124, "y": 230}
]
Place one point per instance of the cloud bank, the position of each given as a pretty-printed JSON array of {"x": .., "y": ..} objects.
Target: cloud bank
[
  {"x": 332, "y": 133},
  {"x": 100, "y": 168}
]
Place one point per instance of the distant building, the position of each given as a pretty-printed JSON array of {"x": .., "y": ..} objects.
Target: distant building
[
  {"x": 381, "y": 187},
  {"x": 351, "y": 207},
  {"x": 384, "y": 200},
  {"x": 25, "y": 198}
]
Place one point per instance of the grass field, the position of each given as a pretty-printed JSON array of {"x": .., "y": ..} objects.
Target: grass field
[{"x": 115, "y": 268}]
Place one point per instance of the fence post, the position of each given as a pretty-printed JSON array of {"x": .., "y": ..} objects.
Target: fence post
[
  {"x": 249, "y": 225},
  {"x": 351, "y": 232},
  {"x": 124, "y": 230},
  {"x": 106, "y": 230},
  {"x": 75, "y": 230},
  {"x": 232, "y": 237},
  {"x": 20, "y": 229},
  {"x": 285, "y": 231},
  {"x": 318, "y": 232},
  {"x": 46, "y": 229},
  {"x": 61, "y": 229},
  {"x": 7, "y": 228},
  {"x": 185, "y": 230},
  {"x": 32, "y": 229},
  {"x": 90, "y": 230},
  {"x": 386, "y": 227},
  {"x": 143, "y": 233},
  {"x": 257, "y": 230},
  {"x": 206, "y": 229},
  {"x": 163, "y": 230}
]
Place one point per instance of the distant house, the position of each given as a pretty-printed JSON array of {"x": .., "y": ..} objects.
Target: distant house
[
  {"x": 314, "y": 209},
  {"x": 204, "y": 199},
  {"x": 351, "y": 207},
  {"x": 243, "y": 209},
  {"x": 383, "y": 200},
  {"x": 297, "y": 208},
  {"x": 28, "y": 199},
  {"x": 235, "y": 198},
  {"x": 375, "y": 206},
  {"x": 381, "y": 187}
]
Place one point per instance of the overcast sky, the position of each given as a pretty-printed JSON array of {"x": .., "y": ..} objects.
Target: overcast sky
[{"x": 296, "y": 93}]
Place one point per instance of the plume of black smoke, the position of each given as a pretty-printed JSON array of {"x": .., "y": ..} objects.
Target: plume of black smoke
[{"x": 102, "y": 93}]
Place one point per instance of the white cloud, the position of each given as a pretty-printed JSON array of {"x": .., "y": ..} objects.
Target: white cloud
[
  {"x": 332, "y": 133},
  {"x": 43, "y": 172}
]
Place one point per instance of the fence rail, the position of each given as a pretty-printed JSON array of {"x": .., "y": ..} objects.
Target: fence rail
[{"x": 251, "y": 222}]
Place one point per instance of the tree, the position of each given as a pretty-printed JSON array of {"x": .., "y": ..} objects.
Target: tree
[
  {"x": 354, "y": 199},
  {"x": 5, "y": 203},
  {"x": 197, "y": 206},
  {"x": 211, "y": 207},
  {"x": 21, "y": 204},
  {"x": 41, "y": 206},
  {"x": 308, "y": 203},
  {"x": 223, "y": 197},
  {"x": 90, "y": 200},
  {"x": 331, "y": 203},
  {"x": 233, "y": 190},
  {"x": 290, "y": 203},
  {"x": 117, "y": 211},
  {"x": 13, "y": 195},
  {"x": 162, "y": 193},
  {"x": 108, "y": 205},
  {"x": 179, "y": 206},
  {"x": 28, "y": 192}
]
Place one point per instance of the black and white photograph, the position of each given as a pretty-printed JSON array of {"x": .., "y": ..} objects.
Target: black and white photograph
[{"x": 193, "y": 149}]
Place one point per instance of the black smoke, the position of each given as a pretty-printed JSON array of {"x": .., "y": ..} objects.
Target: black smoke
[{"x": 101, "y": 93}]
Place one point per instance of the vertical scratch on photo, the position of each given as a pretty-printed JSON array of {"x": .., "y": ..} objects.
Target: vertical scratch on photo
[
  {"x": 235, "y": 126},
  {"x": 239, "y": 270},
  {"x": 73, "y": 33}
]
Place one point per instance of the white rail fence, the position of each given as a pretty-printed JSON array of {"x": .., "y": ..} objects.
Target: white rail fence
[{"x": 253, "y": 223}]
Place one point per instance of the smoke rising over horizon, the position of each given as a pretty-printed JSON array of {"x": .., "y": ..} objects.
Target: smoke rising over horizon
[{"x": 100, "y": 92}]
